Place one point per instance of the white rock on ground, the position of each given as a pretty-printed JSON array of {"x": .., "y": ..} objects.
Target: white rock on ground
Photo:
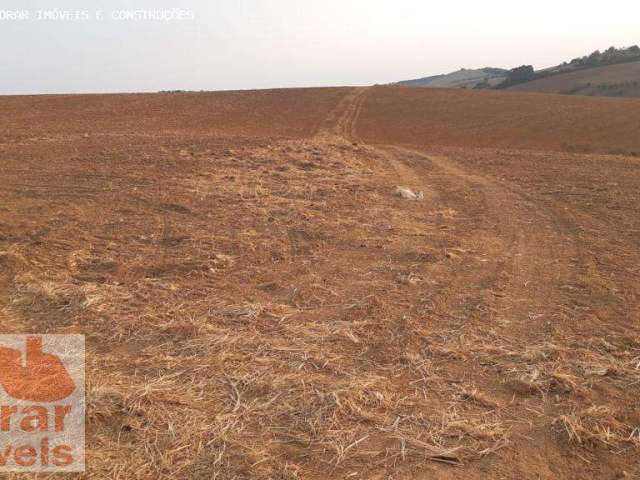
[{"x": 408, "y": 194}]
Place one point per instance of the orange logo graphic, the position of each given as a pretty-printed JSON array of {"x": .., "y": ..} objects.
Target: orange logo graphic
[{"x": 43, "y": 379}]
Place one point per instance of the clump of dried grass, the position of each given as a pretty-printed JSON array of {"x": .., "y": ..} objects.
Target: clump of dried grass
[
  {"x": 474, "y": 395},
  {"x": 598, "y": 425},
  {"x": 453, "y": 437},
  {"x": 546, "y": 368},
  {"x": 59, "y": 292}
]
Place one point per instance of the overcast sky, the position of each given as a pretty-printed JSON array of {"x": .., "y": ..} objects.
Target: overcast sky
[{"x": 240, "y": 44}]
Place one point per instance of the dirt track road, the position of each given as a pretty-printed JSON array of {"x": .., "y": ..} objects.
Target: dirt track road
[{"x": 519, "y": 239}]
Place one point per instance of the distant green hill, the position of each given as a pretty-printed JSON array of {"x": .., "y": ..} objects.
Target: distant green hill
[
  {"x": 619, "y": 80},
  {"x": 613, "y": 72},
  {"x": 611, "y": 56},
  {"x": 464, "y": 78}
]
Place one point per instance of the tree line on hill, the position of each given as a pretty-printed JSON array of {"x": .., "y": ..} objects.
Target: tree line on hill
[{"x": 611, "y": 56}]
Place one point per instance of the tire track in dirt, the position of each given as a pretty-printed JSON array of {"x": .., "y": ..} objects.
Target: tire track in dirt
[
  {"x": 530, "y": 249},
  {"x": 341, "y": 123},
  {"x": 531, "y": 310},
  {"x": 508, "y": 277},
  {"x": 347, "y": 127},
  {"x": 408, "y": 168},
  {"x": 519, "y": 233}
]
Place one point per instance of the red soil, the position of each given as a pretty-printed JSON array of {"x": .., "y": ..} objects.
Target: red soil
[{"x": 258, "y": 302}]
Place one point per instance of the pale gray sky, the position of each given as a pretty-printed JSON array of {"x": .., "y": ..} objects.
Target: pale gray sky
[{"x": 239, "y": 44}]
